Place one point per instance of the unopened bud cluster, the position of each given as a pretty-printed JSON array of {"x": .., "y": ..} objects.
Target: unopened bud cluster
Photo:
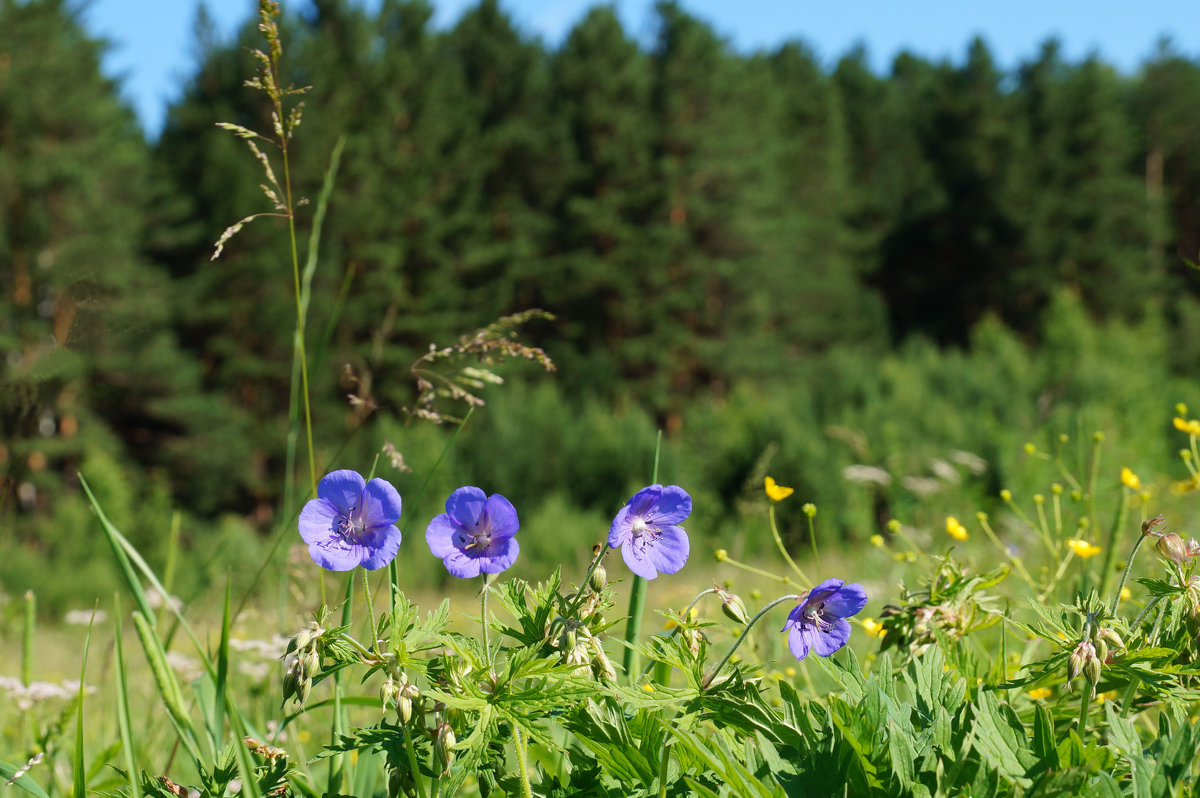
[
  {"x": 733, "y": 606},
  {"x": 301, "y": 661},
  {"x": 1090, "y": 655}
]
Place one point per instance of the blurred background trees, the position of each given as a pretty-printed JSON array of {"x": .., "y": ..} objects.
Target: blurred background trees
[{"x": 782, "y": 263}]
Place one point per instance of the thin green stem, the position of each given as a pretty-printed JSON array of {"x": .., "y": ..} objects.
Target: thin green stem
[
  {"x": 712, "y": 675},
  {"x": 1017, "y": 564},
  {"x": 483, "y": 619},
  {"x": 812, "y": 538},
  {"x": 370, "y": 612},
  {"x": 583, "y": 586},
  {"x": 1137, "y": 544},
  {"x": 782, "y": 550},
  {"x": 662, "y": 771},
  {"x": 787, "y": 580},
  {"x": 1085, "y": 703},
  {"x": 412, "y": 759},
  {"x": 522, "y": 762}
]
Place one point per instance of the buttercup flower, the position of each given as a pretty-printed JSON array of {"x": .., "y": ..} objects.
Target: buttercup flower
[
  {"x": 646, "y": 533},
  {"x": 1083, "y": 548},
  {"x": 476, "y": 533},
  {"x": 351, "y": 522},
  {"x": 777, "y": 493},
  {"x": 819, "y": 622},
  {"x": 955, "y": 529},
  {"x": 1130, "y": 479}
]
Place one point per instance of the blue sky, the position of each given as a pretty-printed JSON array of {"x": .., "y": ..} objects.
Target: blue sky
[{"x": 152, "y": 39}]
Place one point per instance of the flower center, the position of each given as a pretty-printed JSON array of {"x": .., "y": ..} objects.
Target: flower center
[
  {"x": 351, "y": 526},
  {"x": 639, "y": 527},
  {"x": 481, "y": 538}
]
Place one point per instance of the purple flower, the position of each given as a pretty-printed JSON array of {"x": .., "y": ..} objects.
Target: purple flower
[
  {"x": 819, "y": 622},
  {"x": 646, "y": 533},
  {"x": 351, "y": 522},
  {"x": 475, "y": 534}
]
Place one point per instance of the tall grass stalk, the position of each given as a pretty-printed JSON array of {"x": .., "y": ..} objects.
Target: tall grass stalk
[{"x": 637, "y": 592}]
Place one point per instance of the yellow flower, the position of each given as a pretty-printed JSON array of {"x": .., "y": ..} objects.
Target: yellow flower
[
  {"x": 1185, "y": 486},
  {"x": 872, "y": 627},
  {"x": 789, "y": 672},
  {"x": 777, "y": 493},
  {"x": 649, "y": 688},
  {"x": 1191, "y": 426},
  {"x": 1082, "y": 548},
  {"x": 1126, "y": 594},
  {"x": 1130, "y": 479},
  {"x": 1110, "y": 695},
  {"x": 955, "y": 529},
  {"x": 1038, "y": 693},
  {"x": 304, "y": 736},
  {"x": 877, "y": 540}
]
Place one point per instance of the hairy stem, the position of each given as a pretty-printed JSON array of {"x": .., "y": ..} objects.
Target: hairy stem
[{"x": 712, "y": 675}]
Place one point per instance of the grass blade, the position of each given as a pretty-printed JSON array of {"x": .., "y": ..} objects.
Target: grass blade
[
  {"x": 217, "y": 730},
  {"x": 80, "y": 772},
  {"x": 168, "y": 687},
  {"x": 123, "y": 725},
  {"x": 9, "y": 771}
]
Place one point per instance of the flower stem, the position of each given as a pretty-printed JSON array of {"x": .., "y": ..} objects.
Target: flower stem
[
  {"x": 1137, "y": 544},
  {"x": 782, "y": 550},
  {"x": 370, "y": 613},
  {"x": 633, "y": 626},
  {"x": 1085, "y": 702},
  {"x": 728, "y": 654},
  {"x": 586, "y": 580},
  {"x": 412, "y": 759},
  {"x": 483, "y": 619},
  {"x": 662, "y": 771},
  {"x": 1117, "y": 525},
  {"x": 787, "y": 580},
  {"x": 526, "y": 790}
]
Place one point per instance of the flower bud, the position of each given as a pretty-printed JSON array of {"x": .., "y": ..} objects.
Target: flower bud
[
  {"x": 602, "y": 667},
  {"x": 1006, "y": 495},
  {"x": 1101, "y": 650},
  {"x": 893, "y": 526},
  {"x": 810, "y": 510},
  {"x": 1078, "y": 659},
  {"x": 1172, "y": 548},
  {"x": 734, "y": 608},
  {"x": 1112, "y": 638},
  {"x": 598, "y": 579},
  {"x": 443, "y": 743},
  {"x": 388, "y": 692},
  {"x": 291, "y": 677},
  {"x": 721, "y": 555},
  {"x": 1091, "y": 672}
]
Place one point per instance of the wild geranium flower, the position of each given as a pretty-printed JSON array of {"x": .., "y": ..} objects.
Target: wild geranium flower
[
  {"x": 819, "y": 622},
  {"x": 351, "y": 522},
  {"x": 476, "y": 533},
  {"x": 646, "y": 531}
]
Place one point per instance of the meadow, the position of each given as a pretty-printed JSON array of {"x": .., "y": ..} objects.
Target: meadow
[{"x": 777, "y": 561}]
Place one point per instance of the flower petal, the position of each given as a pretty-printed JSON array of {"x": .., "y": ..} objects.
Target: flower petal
[
  {"x": 823, "y": 592},
  {"x": 638, "y": 561},
  {"x": 460, "y": 565},
  {"x": 849, "y": 600},
  {"x": 318, "y": 520},
  {"x": 381, "y": 503},
  {"x": 380, "y": 545},
  {"x": 673, "y": 506},
  {"x": 503, "y": 519},
  {"x": 668, "y": 551},
  {"x": 440, "y": 535},
  {"x": 334, "y": 553},
  {"x": 622, "y": 528},
  {"x": 344, "y": 488},
  {"x": 644, "y": 500},
  {"x": 466, "y": 505},
  {"x": 802, "y": 638},
  {"x": 500, "y": 555},
  {"x": 833, "y": 639}
]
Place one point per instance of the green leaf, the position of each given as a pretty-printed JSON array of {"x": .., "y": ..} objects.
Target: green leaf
[
  {"x": 123, "y": 725},
  {"x": 80, "y": 771}
]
